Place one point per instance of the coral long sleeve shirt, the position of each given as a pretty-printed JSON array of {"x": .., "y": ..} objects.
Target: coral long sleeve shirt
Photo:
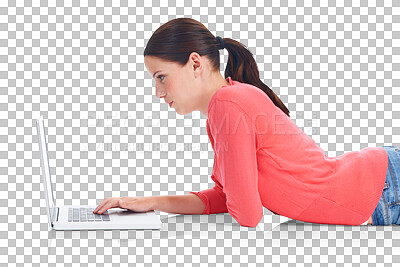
[{"x": 262, "y": 158}]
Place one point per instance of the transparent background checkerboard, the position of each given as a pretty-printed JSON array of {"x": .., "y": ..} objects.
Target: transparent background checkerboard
[{"x": 335, "y": 64}]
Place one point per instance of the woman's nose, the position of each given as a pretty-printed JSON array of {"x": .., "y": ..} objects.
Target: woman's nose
[{"x": 160, "y": 94}]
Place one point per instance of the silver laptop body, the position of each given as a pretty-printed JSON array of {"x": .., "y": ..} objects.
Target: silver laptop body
[{"x": 82, "y": 217}]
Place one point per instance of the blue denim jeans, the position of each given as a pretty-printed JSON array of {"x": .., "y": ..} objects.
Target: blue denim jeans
[{"x": 388, "y": 209}]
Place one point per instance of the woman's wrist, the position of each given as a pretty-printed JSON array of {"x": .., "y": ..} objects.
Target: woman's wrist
[
  {"x": 154, "y": 202},
  {"x": 181, "y": 204}
]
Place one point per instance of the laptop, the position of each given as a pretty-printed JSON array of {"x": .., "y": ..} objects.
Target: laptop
[{"x": 82, "y": 217}]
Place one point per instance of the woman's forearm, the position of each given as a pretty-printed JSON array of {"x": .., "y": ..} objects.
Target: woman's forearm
[{"x": 182, "y": 204}]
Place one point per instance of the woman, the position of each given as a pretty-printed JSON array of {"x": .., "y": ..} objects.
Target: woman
[{"x": 261, "y": 158}]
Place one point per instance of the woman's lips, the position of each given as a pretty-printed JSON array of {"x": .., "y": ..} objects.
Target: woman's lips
[{"x": 170, "y": 104}]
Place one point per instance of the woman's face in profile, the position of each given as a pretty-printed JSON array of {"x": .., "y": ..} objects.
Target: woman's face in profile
[{"x": 174, "y": 83}]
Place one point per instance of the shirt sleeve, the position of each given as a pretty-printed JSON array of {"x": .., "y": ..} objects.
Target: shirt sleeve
[
  {"x": 214, "y": 199},
  {"x": 235, "y": 137}
]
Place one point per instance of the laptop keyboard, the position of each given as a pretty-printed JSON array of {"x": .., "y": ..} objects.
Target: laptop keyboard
[{"x": 86, "y": 215}]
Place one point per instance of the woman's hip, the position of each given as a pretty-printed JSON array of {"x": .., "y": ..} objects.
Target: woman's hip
[{"x": 388, "y": 209}]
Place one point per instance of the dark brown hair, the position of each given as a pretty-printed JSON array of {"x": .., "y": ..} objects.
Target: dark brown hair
[{"x": 175, "y": 40}]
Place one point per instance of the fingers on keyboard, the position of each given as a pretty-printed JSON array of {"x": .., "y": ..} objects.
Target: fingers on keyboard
[{"x": 86, "y": 215}]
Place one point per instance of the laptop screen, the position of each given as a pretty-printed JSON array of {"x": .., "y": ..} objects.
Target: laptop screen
[{"x": 45, "y": 170}]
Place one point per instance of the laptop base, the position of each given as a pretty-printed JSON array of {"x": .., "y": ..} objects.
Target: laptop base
[{"x": 119, "y": 219}]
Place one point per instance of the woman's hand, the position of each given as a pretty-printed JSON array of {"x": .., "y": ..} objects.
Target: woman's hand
[{"x": 138, "y": 204}]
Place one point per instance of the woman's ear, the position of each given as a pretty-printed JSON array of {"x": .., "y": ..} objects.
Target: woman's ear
[{"x": 196, "y": 61}]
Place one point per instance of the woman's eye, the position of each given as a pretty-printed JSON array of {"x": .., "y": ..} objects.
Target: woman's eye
[{"x": 160, "y": 76}]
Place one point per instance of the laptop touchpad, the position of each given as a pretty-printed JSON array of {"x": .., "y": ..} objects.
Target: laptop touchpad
[{"x": 130, "y": 213}]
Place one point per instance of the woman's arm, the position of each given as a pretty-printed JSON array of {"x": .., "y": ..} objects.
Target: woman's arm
[{"x": 181, "y": 204}]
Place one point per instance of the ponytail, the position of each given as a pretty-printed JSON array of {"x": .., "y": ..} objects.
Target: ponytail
[{"x": 242, "y": 67}]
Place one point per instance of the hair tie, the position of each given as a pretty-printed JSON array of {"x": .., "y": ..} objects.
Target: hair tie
[{"x": 221, "y": 43}]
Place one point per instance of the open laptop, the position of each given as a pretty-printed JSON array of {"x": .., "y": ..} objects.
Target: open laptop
[{"x": 82, "y": 217}]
